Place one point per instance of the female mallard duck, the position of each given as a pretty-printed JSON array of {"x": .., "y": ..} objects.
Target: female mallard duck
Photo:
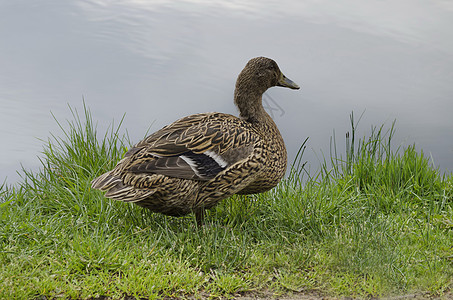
[{"x": 192, "y": 164}]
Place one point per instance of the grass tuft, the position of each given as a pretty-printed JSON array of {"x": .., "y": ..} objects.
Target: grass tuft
[{"x": 376, "y": 222}]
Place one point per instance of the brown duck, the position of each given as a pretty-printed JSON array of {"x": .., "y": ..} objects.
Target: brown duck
[{"x": 193, "y": 163}]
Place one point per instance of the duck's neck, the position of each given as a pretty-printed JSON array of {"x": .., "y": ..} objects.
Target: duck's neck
[{"x": 250, "y": 104}]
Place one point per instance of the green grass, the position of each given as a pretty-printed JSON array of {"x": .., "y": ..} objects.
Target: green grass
[{"x": 377, "y": 222}]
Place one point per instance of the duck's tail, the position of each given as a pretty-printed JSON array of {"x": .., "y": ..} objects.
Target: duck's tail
[
  {"x": 105, "y": 181},
  {"x": 117, "y": 190}
]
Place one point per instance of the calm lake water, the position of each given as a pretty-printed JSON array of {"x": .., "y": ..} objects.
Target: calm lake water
[{"x": 159, "y": 60}]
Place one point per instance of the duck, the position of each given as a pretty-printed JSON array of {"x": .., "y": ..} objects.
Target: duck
[{"x": 189, "y": 166}]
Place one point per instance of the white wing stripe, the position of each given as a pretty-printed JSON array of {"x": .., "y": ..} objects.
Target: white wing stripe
[
  {"x": 217, "y": 158},
  {"x": 191, "y": 163}
]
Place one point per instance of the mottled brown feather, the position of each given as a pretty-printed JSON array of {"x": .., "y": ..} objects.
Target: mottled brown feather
[{"x": 193, "y": 163}]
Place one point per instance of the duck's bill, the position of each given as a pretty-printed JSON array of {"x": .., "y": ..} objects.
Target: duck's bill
[{"x": 286, "y": 82}]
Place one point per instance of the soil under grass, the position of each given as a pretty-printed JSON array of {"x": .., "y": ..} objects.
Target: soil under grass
[{"x": 377, "y": 222}]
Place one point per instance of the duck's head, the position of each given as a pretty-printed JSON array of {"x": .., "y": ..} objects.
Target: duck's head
[{"x": 261, "y": 73}]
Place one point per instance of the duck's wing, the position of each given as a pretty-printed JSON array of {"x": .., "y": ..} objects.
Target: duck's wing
[{"x": 195, "y": 147}]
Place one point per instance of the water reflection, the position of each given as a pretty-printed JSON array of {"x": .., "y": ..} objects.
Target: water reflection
[{"x": 160, "y": 60}]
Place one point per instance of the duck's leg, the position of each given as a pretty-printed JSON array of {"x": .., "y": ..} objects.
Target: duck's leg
[{"x": 199, "y": 216}]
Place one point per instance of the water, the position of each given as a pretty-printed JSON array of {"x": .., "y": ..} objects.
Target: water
[{"x": 157, "y": 61}]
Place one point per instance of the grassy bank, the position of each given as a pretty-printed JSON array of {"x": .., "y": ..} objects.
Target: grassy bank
[{"x": 374, "y": 221}]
